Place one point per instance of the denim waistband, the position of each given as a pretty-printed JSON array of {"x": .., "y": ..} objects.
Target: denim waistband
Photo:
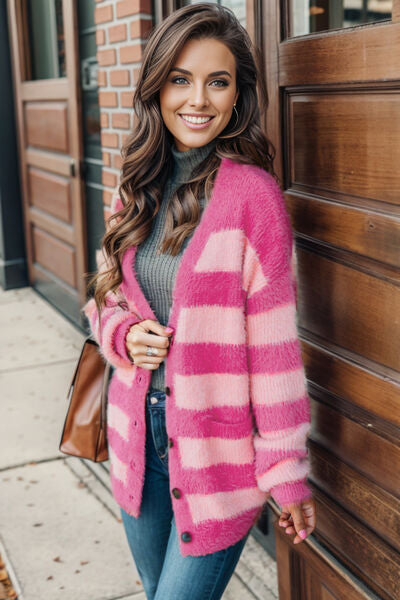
[{"x": 159, "y": 394}]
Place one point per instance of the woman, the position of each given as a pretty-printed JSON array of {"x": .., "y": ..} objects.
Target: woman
[{"x": 208, "y": 412}]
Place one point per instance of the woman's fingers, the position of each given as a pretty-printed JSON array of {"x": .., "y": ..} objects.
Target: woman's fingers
[{"x": 299, "y": 519}]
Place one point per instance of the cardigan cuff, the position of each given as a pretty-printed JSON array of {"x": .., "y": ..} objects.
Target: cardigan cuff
[
  {"x": 292, "y": 492},
  {"x": 120, "y": 334}
]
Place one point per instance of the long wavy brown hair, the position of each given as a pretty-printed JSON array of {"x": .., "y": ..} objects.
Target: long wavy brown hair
[{"x": 147, "y": 160}]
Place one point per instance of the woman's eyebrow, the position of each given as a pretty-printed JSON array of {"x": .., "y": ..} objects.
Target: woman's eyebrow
[{"x": 214, "y": 74}]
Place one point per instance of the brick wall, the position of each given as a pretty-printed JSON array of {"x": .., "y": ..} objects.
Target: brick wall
[{"x": 122, "y": 27}]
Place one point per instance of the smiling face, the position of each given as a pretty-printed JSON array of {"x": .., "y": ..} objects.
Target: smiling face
[{"x": 198, "y": 96}]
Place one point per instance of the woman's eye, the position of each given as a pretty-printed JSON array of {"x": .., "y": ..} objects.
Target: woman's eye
[
  {"x": 176, "y": 79},
  {"x": 222, "y": 81}
]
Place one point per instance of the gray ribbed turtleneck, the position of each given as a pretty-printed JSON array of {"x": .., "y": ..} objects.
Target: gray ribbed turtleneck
[{"x": 156, "y": 273}]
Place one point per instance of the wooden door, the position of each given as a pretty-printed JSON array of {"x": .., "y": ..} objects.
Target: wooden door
[
  {"x": 44, "y": 44},
  {"x": 334, "y": 116}
]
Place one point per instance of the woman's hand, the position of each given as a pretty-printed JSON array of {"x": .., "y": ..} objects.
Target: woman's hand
[
  {"x": 299, "y": 519},
  {"x": 138, "y": 339}
]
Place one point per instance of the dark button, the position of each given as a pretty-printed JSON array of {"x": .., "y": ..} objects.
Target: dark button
[
  {"x": 139, "y": 378},
  {"x": 186, "y": 537},
  {"x": 176, "y": 493},
  {"x": 167, "y": 390},
  {"x": 170, "y": 442}
]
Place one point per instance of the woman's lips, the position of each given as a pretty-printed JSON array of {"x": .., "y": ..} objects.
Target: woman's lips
[{"x": 196, "y": 125}]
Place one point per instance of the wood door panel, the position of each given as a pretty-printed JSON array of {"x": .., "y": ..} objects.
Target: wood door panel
[
  {"x": 363, "y": 231},
  {"x": 364, "y": 552},
  {"x": 351, "y": 308},
  {"x": 375, "y": 394},
  {"x": 50, "y": 132},
  {"x": 56, "y": 256},
  {"x": 330, "y": 143},
  {"x": 375, "y": 457},
  {"x": 361, "y": 54},
  {"x": 299, "y": 564},
  {"x": 50, "y": 193},
  {"x": 374, "y": 507},
  {"x": 46, "y": 125}
]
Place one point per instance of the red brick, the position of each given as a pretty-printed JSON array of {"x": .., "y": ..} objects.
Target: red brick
[
  {"x": 107, "y": 197},
  {"x": 119, "y": 77},
  {"x": 104, "y": 120},
  {"x": 103, "y": 14},
  {"x": 109, "y": 179},
  {"x": 130, "y": 54},
  {"x": 100, "y": 37},
  {"x": 140, "y": 28},
  {"x": 105, "y": 58},
  {"x": 121, "y": 120},
  {"x": 135, "y": 75},
  {"x": 132, "y": 7},
  {"x": 117, "y": 161},
  {"x": 124, "y": 137},
  {"x": 117, "y": 33},
  {"x": 126, "y": 99},
  {"x": 101, "y": 78},
  {"x": 109, "y": 140},
  {"x": 106, "y": 156},
  {"x": 108, "y": 99}
]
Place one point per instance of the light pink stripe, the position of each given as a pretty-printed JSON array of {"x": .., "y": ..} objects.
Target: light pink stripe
[
  {"x": 253, "y": 275},
  {"x": 205, "y": 452},
  {"x": 223, "y": 505},
  {"x": 287, "y": 470},
  {"x": 273, "y": 326},
  {"x": 198, "y": 392},
  {"x": 210, "y": 324},
  {"x": 268, "y": 388},
  {"x": 292, "y": 438},
  {"x": 118, "y": 468},
  {"x": 118, "y": 420},
  {"x": 215, "y": 255}
]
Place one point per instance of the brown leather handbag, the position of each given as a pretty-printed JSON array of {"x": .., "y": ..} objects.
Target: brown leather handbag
[{"x": 85, "y": 428}]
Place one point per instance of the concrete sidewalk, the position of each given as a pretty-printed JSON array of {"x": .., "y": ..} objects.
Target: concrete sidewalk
[{"x": 60, "y": 531}]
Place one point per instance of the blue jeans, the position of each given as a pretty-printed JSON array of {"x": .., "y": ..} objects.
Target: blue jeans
[{"x": 152, "y": 537}]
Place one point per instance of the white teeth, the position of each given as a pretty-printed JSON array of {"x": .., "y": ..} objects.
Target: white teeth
[{"x": 196, "y": 119}]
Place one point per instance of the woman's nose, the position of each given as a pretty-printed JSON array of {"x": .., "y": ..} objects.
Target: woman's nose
[{"x": 198, "y": 96}]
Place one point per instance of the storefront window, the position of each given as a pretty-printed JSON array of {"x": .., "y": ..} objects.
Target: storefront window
[
  {"x": 236, "y": 6},
  {"x": 45, "y": 54},
  {"x": 310, "y": 16}
]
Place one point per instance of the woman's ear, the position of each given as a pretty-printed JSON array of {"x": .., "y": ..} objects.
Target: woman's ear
[{"x": 236, "y": 96}]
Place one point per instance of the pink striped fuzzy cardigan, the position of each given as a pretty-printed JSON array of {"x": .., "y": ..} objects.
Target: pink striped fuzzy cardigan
[{"x": 237, "y": 410}]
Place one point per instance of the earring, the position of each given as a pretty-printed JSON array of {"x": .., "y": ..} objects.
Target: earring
[{"x": 237, "y": 115}]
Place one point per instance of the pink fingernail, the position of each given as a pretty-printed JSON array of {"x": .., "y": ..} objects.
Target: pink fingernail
[
  {"x": 169, "y": 329},
  {"x": 303, "y": 534}
]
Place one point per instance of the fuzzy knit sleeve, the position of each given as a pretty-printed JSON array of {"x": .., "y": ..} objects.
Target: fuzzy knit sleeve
[
  {"x": 115, "y": 317},
  {"x": 278, "y": 392}
]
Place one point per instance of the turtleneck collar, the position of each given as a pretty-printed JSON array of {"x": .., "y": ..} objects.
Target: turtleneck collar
[{"x": 185, "y": 162}]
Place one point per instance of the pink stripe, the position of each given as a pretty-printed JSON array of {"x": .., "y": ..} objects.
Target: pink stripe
[
  {"x": 118, "y": 468},
  {"x": 211, "y": 324},
  {"x": 265, "y": 460},
  {"x": 223, "y": 505},
  {"x": 290, "y": 469},
  {"x": 199, "y": 392},
  {"x": 273, "y": 326},
  {"x": 118, "y": 420},
  {"x": 201, "y": 453},
  {"x": 268, "y": 388},
  {"x": 276, "y": 357},
  {"x": 254, "y": 278},
  {"x": 292, "y": 438},
  {"x": 279, "y": 416},
  {"x": 215, "y": 258}
]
